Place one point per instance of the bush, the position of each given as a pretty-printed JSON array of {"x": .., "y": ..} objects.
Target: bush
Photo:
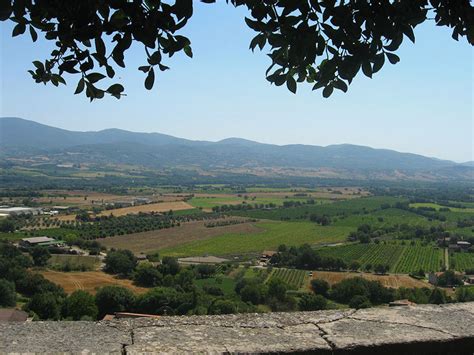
[
  {"x": 309, "y": 302},
  {"x": 111, "y": 299},
  {"x": 320, "y": 287},
  {"x": 360, "y": 301},
  {"x": 7, "y": 293},
  {"x": 121, "y": 262},
  {"x": 147, "y": 275},
  {"x": 169, "y": 266},
  {"x": 45, "y": 305},
  {"x": 40, "y": 255},
  {"x": 80, "y": 304},
  {"x": 223, "y": 307}
]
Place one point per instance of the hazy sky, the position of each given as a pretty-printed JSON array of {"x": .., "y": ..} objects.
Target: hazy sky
[{"x": 421, "y": 105}]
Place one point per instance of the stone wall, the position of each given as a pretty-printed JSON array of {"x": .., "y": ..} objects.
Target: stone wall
[{"x": 427, "y": 329}]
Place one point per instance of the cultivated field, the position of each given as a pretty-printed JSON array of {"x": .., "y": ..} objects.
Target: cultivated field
[
  {"x": 88, "y": 281},
  {"x": 294, "y": 278},
  {"x": 271, "y": 235},
  {"x": 392, "y": 280},
  {"x": 168, "y": 238},
  {"x": 346, "y": 207},
  {"x": 400, "y": 258},
  {"x": 152, "y": 207},
  {"x": 462, "y": 261}
]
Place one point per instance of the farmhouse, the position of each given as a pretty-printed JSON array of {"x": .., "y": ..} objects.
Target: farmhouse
[
  {"x": 266, "y": 255},
  {"x": 12, "y": 315},
  {"x": 15, "y": 211},
  {"x": 463, "y": 245},
  {"x": 433, "y": 277},
  {"x": 41, "y": 241}
]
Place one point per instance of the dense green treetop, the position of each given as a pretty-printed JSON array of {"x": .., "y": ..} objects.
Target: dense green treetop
[{"x": 323, "y": 42}]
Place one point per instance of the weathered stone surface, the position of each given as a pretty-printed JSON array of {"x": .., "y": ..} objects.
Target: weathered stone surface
[
  {"x": 62, "y": 337},
  {"x": 446, "y": 329}
]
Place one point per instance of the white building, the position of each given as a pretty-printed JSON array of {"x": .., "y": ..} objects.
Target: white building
[{"x": 12, "y": 211}]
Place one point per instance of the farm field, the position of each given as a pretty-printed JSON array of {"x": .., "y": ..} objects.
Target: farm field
[
  {"x": 209, "y": 201},
  {"x": 461, "y": 261},
  {"x": 437, "y": 207},
  {"x": 296, "y": 279},
  {"x": 384, "y": 218},
  {"x": 272, "y": 235},
  {"x": 225, "y": 283},
  {"x": 392, "y": 280},
  {"x": 151, "y": 207},
  {"x": 415, "y": 258},
  {"x": 151, "y": 241},
  {"x": 75, "y": 261},
  {"x": 400, "y": 258},
  {"x": 88, "y": 281},
  {"x": 365, "y": 254},
  {"x": 359, "y": 205}
]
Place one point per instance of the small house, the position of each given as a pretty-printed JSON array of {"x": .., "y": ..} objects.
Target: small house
[
  {"x": 463, "y": 245},
  {"x": 12, "y": 315},
  {"x": 40, "y": 241},
  {"x": 267, "y": 255}
]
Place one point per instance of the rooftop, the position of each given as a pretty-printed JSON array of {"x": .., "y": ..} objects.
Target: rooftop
[
  {"x": 12, "y": 315},
  {"x": 36, "y": 240}
]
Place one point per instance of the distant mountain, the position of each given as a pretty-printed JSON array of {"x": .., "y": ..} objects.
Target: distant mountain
[{"x": 22, "y": 138}]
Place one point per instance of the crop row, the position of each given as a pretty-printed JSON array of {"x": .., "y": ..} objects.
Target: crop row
[{"x": 294, "y": 278}]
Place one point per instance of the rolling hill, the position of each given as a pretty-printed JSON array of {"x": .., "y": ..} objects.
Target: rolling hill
[{"x": 21, "y": 138}]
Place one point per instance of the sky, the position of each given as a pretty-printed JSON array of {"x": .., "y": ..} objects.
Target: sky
[{"x": 423, "y": 104}]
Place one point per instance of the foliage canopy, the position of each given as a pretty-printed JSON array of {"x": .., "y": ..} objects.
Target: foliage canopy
[{"x": 322, "y": 42}]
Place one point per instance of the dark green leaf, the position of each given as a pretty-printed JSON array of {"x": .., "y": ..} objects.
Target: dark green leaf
[
  {"x": 100, "y": 46},
  {"x": 18, "y": 29},
  {"x": 80, "y": 87},
  {"x": 95, "y": 77},
  {"x": 328, "y": 91},
  {"x": 115, "y": 90},
  {"x": 378, "y": 62},
  {"x": 408, "y": 31},
  {"x": 393, "y": 58},
  {"x": 188, "y": 51},
  {"x": 341, "y": 85},
  {"x": 150, "y": 79},
  {"x": 367, "y": 68},
  {"x": 34, "y": 35},
  {"x": 291, "y": 84}
]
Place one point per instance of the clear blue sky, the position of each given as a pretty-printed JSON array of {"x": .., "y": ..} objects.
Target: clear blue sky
[{"x": 421, "y": 105}]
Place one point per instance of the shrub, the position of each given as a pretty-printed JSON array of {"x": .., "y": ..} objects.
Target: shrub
[
  {"x": 111, "y": 299},
  {"x": 309, "y": 302},
  {"x": 80, "y": 304},
  {"x": 320, "y": 287},
  {"x": 7, "y": 293},
  {"x": 360, "y": 301}
]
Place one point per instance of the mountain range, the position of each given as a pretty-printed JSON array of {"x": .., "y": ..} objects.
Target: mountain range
[{"x": 20, "y": 138}]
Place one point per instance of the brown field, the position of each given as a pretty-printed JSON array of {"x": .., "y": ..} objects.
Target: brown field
[
  {"x": 152, "y": 241},
  {"x": 152, "y": 207},
  {"x": 393, "y": 280},
  {"x": 88, "y": 281},
  {"x": 76, "y": 198}
]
